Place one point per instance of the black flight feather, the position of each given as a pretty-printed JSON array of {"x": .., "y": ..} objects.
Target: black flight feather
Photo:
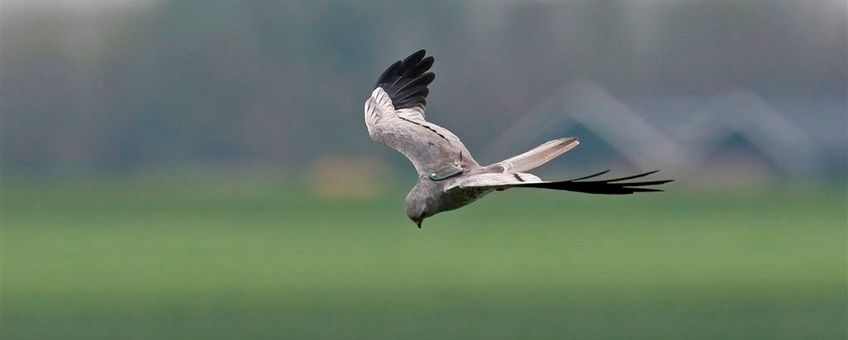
[
  {"x": 406, "y": 80},
  {"x": 605, "y": 187}
]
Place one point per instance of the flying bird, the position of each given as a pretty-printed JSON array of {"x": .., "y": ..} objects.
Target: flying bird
[{"x": 448, "y": 176}]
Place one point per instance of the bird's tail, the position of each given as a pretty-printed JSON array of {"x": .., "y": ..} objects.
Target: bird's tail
[{"x": 537, "y": 156}]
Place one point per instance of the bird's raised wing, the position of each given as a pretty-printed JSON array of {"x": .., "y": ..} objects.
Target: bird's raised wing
[
  {"x": 394, "y": 115},
  {"x": 615, "y": 186}
]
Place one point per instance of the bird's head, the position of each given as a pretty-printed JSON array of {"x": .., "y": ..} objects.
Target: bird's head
[
  {"x": 416, "y": 208},
  {"x": 416, "y": 212}
]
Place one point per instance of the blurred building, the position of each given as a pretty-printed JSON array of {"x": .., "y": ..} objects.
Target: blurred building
[{"x": 721, "y": 132}]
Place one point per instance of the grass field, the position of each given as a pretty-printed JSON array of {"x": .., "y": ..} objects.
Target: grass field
[{"x": 136, "y": 260}]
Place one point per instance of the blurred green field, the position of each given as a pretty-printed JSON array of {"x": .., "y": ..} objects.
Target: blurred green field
[{"x": 146, "y": 260}]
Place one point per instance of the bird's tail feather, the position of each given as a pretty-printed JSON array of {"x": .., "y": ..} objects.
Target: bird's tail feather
[{"x": 537, "y": 156}]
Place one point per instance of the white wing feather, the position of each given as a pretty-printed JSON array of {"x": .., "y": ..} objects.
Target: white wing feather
[{"x": 537, "y": 156}]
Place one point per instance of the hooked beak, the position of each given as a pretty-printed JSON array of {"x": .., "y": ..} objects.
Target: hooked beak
[{"x": 418, "y": 222}]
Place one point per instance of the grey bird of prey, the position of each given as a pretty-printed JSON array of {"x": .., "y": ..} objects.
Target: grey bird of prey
[{"x": 448, "y": 176}]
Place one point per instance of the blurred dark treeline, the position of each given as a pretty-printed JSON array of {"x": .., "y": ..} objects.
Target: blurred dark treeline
[{"x": 118, "y": 88}]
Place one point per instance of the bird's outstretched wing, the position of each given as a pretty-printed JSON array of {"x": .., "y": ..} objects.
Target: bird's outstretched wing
[
  {"x": 615, "y": 186},
  {"x": 394, "y": 115},
  {"x": 535, "y": 157}
]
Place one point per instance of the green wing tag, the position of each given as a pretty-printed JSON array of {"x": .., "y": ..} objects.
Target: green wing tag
[{"x": 444, "y": 173}]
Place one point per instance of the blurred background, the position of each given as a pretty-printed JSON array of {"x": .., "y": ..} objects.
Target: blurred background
[{"x": 201, "y": 169}]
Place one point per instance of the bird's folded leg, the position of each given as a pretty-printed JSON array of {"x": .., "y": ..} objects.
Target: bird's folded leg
[{"x": 445, "y": 172}]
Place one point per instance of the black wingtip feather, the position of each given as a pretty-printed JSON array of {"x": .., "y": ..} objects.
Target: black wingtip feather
[
  {"x": 590, "y": 176},
  {"x": 406, "y": 80},
  {"x": 634, "y": 176},
  {"x": 388, "y": 73},
  {"x": 605, "y": 187}
]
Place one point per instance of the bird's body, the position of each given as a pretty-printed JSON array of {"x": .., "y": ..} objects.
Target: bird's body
[{"x": 448, "y": 176}]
